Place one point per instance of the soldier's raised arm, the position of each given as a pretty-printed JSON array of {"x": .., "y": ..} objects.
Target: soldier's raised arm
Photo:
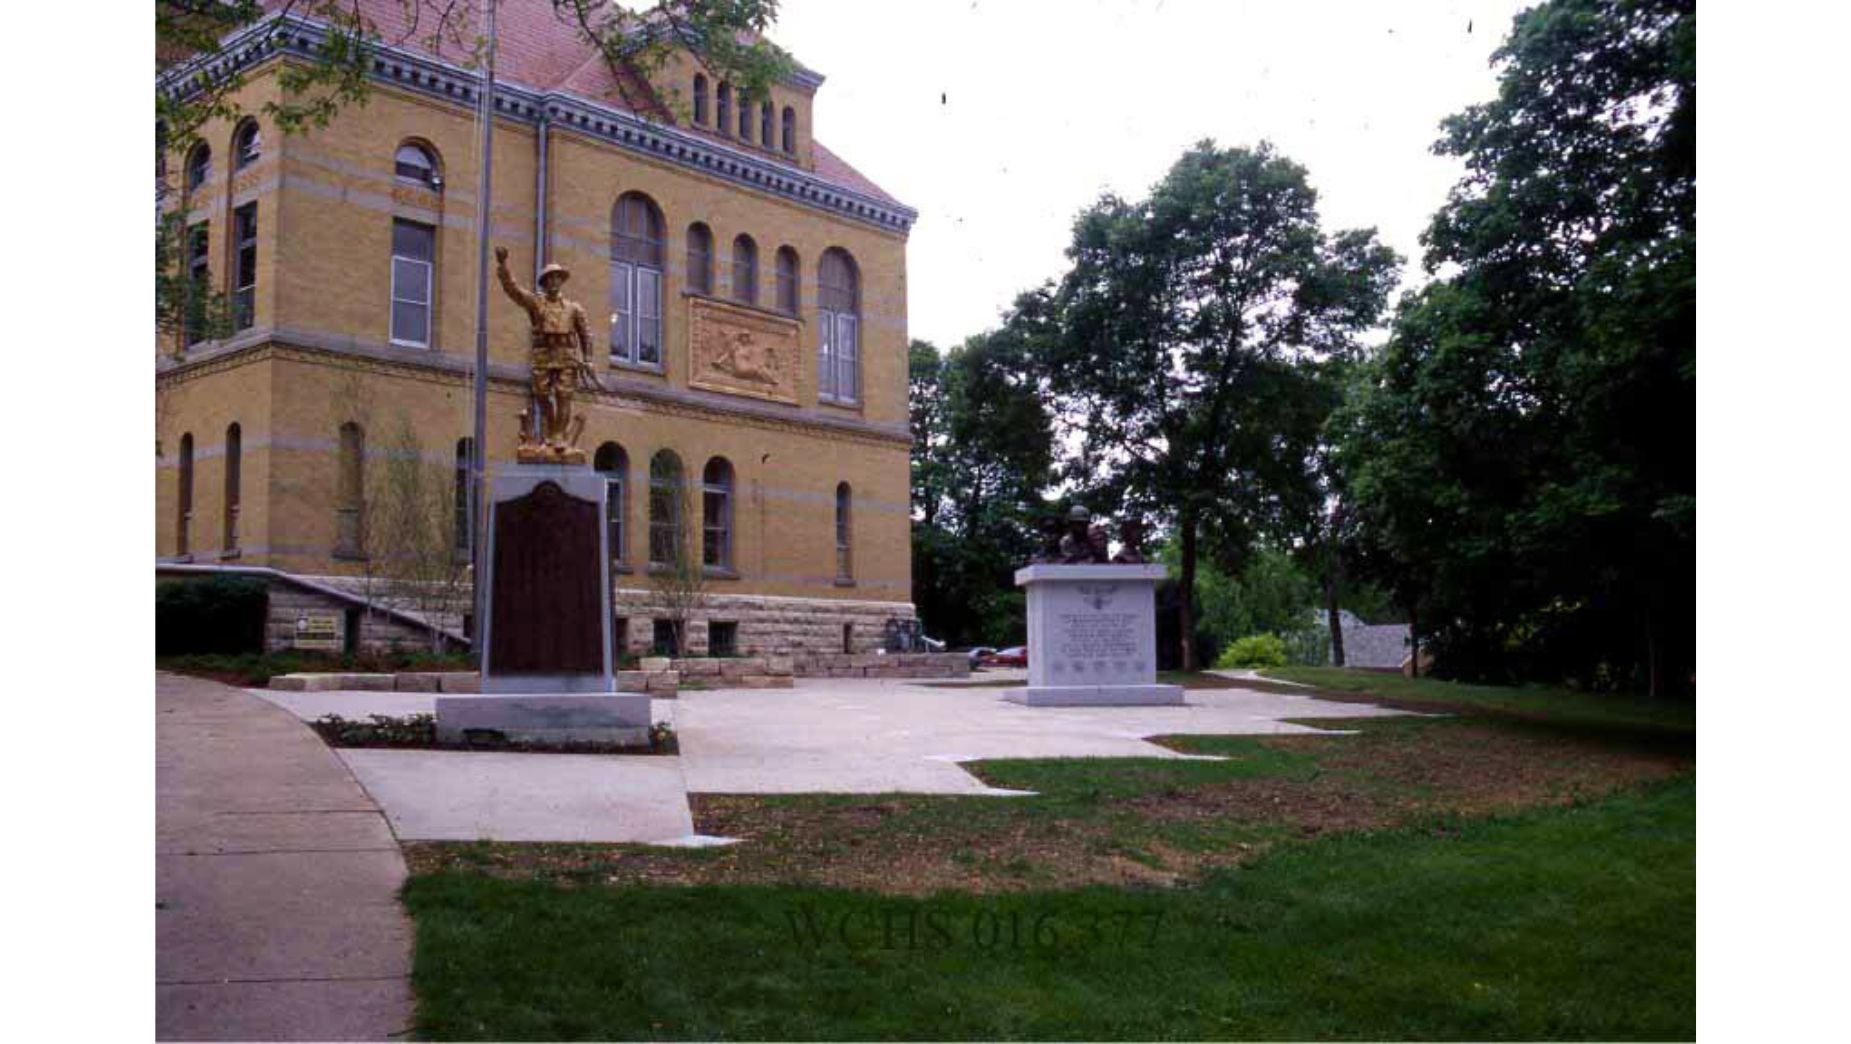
[{"x": 524, "y": 298}]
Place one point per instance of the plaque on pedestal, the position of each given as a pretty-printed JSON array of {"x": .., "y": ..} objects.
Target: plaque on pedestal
[
  {"x": 1092, "y": 636},
  {"x": 548, "y": 672}
]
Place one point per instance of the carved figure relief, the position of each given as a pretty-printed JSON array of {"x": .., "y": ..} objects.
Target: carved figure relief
[{"x": 743, "y": 351}]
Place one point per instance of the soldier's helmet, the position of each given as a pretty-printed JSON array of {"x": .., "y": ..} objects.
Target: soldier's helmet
[{"x": 554, "y": 269}]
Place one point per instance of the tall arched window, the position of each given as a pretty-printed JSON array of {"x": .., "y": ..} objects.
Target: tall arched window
[
  {"x": 723, "y": 109},
  {"x": 636, "y": 280},
  {"x": 764, "y": 124},
  {"x": 234, "y": 481},
  {"x": 787, "y": 280},
  {"x": 745, "y": 117},
  {"x": 614, "y": 464},
  {"x": 700, "y": 258},
  {"x": 700, "y": 98},
  {"x": 246, "y": 145},
  {"x": 717, "y": 514},
  {"x": 183, "y": 501},
  {"x": 745, "y": 269},
  {"x": 845, "y": 532},
  {"x": 350, "y": 494},
  {"x": 198, "y": 166},
  {"x": 462, "y": 540},
  {"x": 416, "y": 163},
  {"x": 790, "y": 129},
  {"x": 665, "y": 537},
  {"x": 838, "y": 305}
]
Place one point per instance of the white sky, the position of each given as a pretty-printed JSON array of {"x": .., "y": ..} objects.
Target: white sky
[{"x": 1048, "y": 104}]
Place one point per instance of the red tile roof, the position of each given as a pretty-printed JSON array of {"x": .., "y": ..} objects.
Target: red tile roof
[{"x": 539, "y": 48}]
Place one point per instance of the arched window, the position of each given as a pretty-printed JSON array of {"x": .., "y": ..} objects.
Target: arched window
[
  {"x": 614, "y": 464},
  {"x": 462, "y": 540},
  {"x": 745, "y": 117},
  {"x": 636, "y": 280},
  {"x": 838, "y": 305},
  {"x": 665, "y": 538},
  {"x": 787, "y": 280},
  {"x": 198, "y": 166},
  {"x": 160, "y": 157},
  {"x": 350, "y": 494},
  {"x": 416, "y": 163},
  {"x": 717, "y": 515},
  {"x": 234, "y": 481},
  {"x": 790, "y": 129},
  {"x": 183, "y": 502},
  {"x": 745, "y": 270},
  {"x": 700, "y": 258},
  {"x": 700, "y": 98},
  {"x": 764, "y": 124},
  {"x": 723, "y": 109},
  {"x": 246, "y": 145},
  {"x": 845, "y": 531}
]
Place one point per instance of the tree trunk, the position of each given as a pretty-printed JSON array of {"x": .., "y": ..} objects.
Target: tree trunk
[
  {"x": 1413, "y": 640},
  {"x": 1333, "y": 584},
  {"x": 1186, "y": 589}
]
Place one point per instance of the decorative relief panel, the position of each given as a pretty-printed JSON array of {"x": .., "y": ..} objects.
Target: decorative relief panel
[{"x": 743, "y": 351}]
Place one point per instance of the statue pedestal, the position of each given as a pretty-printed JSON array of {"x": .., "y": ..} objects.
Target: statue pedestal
[
  {"x": 548, "y": 676},
  {"x": 1092, "y": 637}
]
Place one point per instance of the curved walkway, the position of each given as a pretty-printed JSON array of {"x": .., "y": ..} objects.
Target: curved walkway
[{"x": 276, "y": 880}]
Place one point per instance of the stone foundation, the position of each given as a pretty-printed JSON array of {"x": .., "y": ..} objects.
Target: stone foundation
[{"x": 766, "y": 625}]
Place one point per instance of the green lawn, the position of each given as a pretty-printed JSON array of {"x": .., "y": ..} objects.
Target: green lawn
[
  {"x": 1568, "y": 922},
  {"x": 1562, "y": 706}
]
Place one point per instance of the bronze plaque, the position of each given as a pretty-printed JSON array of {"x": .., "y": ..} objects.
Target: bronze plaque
[
  {"x": 743, "y": 351},
  {"x": 547, "y": 616}
]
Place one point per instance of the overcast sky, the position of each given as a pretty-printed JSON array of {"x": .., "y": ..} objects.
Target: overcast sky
[{"x": 1045, "y": 105}]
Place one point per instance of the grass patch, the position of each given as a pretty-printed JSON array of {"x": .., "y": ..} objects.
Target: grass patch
[
  {"x": 1575, "y": 922},
  {"x": 254, "y": 670},
  {"x": 1536, "y": 703}
]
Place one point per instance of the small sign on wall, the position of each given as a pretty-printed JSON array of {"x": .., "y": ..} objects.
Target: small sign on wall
[{"x": 319, "y": 631}]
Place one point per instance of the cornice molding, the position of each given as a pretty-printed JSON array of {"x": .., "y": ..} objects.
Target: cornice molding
[{"x": 294, "y": 36}]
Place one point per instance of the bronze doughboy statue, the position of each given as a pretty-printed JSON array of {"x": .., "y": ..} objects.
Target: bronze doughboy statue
[{"x": 560, "y": 353}]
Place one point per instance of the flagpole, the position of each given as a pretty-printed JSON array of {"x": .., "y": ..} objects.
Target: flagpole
[{"x": 479, "y": 443}]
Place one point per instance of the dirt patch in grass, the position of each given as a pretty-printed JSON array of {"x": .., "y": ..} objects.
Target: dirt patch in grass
[{"x": 1394, "y": 772}]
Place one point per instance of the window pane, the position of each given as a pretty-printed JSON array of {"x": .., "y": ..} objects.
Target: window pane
[
  {"x": 411, "y": 281},
  {"x": 848, "y": 353},
  {"x": 825, "y": 357},
  {"x": 621, "y": 277},
  {"x": 410, "y": 239},
  {"x": 410, "y": 322}
]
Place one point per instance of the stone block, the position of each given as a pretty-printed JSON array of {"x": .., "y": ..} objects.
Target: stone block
[
  {"x": 368, "y": 682},
  {"x": 848, "y": 672},
  {"x": 698, "y": 667},
  {"x": 419, "y": 682},
  {"x": 459, "y": 681},
  {"x": 780, "y": 665},
  {"x": 767, "y": 681},
  {"x": 548, "y": 718},
  {"x": 632, "y": 681},
  {"x": 664, "y": 681},
  {"x": 290, "y": 682},
  {"x": 740, "y": 666},
  {"x": 653, "y": 664}
]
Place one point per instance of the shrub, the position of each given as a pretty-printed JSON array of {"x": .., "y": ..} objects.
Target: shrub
[
  {"x": 219, "y": 614},
  {"x": 1255, "y": 650}
]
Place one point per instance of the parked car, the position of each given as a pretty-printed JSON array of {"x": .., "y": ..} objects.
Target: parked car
[{"x": 1014, "y": 656}]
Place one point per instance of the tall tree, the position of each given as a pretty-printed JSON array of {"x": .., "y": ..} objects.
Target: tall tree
[
  {"x": 1524, "y": 454},
  {"x": 982, "y": 455},
  {"x": 1193, "y": 337}
]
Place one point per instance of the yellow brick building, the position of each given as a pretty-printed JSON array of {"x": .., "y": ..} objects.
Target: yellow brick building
[{"x": 747, "y": 291}]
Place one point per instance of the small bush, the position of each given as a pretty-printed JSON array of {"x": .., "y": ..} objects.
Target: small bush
[
  {"x": 1255, "y": 650},
  {"x": 214, "y": 615}
]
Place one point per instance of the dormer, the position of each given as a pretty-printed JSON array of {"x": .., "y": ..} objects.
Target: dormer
[{"x": 705, "y": 102}]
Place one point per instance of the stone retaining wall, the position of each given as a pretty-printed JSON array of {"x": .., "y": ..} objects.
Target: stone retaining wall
[{"x": 767, "y": 625}]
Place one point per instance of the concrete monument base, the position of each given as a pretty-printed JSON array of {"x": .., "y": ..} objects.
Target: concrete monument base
[
  {"x": 1097, "y": 696},
  {"x": 617, "y": 718},
  {"x": 1092, "y": 636}
]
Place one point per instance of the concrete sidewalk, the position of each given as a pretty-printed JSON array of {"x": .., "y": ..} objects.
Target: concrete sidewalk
[{"x": 276, "y": 880}]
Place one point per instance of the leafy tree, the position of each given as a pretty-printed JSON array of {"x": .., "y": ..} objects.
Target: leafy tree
[
  {"x": 982, "y": 454},
  {"x": 1189, "y": 348},
  {"x": 725, "y": 36},
  {"x": 1522, "y": 457}
]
